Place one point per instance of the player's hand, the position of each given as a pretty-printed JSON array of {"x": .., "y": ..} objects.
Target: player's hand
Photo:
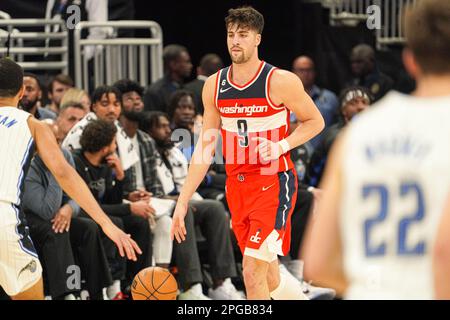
[
  {"x": 142, "y": 209},
  {"x": 139, "y": 195},
  {"x": 268, "y": 150},
  {"x": 62, "y": 219},
  {"x": 178, "y": 229},
  {"x": 113, "y": 161},
  {"x": 123, "y": 241}
]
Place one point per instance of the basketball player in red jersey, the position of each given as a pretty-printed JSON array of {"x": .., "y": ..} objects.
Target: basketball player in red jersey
[{"x": 251, "y": 102}]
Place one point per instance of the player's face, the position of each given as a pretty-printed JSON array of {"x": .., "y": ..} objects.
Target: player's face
[
  {"x": 31, "y": 94},
  {"x": 185, "y": 113},
  {"x": 67, "y": 119},
  {"x": 108, "y": 108},
  {"x": 132, "y": 101},
  {"x": 58, "y": 92},
  {"x": 242, "y": 43}
]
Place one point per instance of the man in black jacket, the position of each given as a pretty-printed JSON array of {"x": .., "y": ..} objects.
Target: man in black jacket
[
  {"x": 60, "y": 235},
  {"x": 100, "y": 167}
]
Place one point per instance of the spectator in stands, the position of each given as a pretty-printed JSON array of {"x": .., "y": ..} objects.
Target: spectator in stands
[
  {"x": 177, "y": 68},
  {"x": 209, "y": 64},
  {"x": 99, "y": 166},
  {"x": 141, "y": 180},
  {"x": 32, "y": 96},
  {"x": 325, "y": 100},
  {"x": 56, "y": 90},
  {"x": 209, "y": 215},
  {"x": 77, "y": 95},
  {"x": 106, "y": 105},
  {"x": 182, "y": 112},
  {"x": 366, "y": 73},
  {"x": 70, "y": 114},
  {"x": 353, "y": 100},
  {"x": 62, "y": 237}
]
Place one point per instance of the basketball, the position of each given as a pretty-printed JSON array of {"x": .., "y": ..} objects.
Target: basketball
[{"x": 154, "y": 283}]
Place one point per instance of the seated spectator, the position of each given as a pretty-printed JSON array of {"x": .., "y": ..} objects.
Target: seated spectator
[
  {"x": 62, "y": 237},
  {"x": 177, "y": 68},
  {"x": 353, "y": 100},
  {"x": 79, "y": 96},
  {"x": 32, "y": 96},
  {"x": 325, "y": 100},
  {"x": 106, "y": 105},
  {"x": 366, "y": 73},
  {"x": 70, "y": 114},
  {"x": 56, "y": 90},
  {"x": 99, "y": 166},
  {"x": 209, "y": 215},
  {"x": 182, "y": 113},
  {"x": 141, "y": 180},
  {"x": 209, "y": 64}
]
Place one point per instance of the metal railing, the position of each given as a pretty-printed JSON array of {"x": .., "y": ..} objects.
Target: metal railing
[
  {"x": 391, "y": 31},
  {"x": 20, "y": 46},
  {"x": 118, "y": 58},
  {"x": 348, "y": 10}
]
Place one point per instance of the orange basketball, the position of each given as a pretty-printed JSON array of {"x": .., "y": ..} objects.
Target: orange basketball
[{"x": 154, "y": 283}]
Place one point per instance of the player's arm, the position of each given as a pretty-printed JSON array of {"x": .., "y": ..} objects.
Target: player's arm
[
  {"x": 286, "y": 88},
  {"x": 201, "y": 158},
  {"x": 75, "y": 187},
  {"x": 441, "y": 256},
  {"x": 322, "y": 250}
]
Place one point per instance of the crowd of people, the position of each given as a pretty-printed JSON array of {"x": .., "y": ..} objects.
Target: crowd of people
[{"x": 119, "y": 139}]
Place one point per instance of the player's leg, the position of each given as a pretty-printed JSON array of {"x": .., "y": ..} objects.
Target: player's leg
[
  {"x": 36, "y": 292},
  {"x": 255, "y": 278}
]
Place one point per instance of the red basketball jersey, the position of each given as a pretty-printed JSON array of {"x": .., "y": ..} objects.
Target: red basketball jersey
[{"x": 247, "y": 112}]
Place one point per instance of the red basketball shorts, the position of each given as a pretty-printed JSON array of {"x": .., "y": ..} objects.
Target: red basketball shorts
[{"x": 261, "y": 207}]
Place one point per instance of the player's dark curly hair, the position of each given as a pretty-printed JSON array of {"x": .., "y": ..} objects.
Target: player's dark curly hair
[
  {"x": 127, "y": 85},
  {"x": 11, "y": 78},
  {"x": 97, "y": 135},
  {"x": 245, "y": 17}
]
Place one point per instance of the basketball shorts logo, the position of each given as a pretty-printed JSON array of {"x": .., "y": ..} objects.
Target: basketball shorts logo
[
  {"x": 255, "y": 237},
  {"x": 32, "y": 266}
]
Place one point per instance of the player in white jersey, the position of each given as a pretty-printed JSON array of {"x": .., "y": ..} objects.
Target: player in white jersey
[
  {"x": 20, "y": 135},
  {"x": 375, "y": 235}
]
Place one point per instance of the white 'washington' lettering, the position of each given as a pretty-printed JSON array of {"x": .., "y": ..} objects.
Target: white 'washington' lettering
[{"x": 247, "y": 110}]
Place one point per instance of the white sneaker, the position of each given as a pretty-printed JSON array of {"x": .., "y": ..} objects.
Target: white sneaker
[
  {"x": 295, "y": 267},
  {"x": 84, "y": 295},
  {"x": 290, "y": 277},
  {"x": 227, "y": 291},
  {"x": 70, "y": 297},
  {"x": 194, "y": 293}
]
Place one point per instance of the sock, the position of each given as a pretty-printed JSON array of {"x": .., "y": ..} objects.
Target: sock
[
  {"x": 287, "y": 290},
  {"x": 113, "y": 289}
]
